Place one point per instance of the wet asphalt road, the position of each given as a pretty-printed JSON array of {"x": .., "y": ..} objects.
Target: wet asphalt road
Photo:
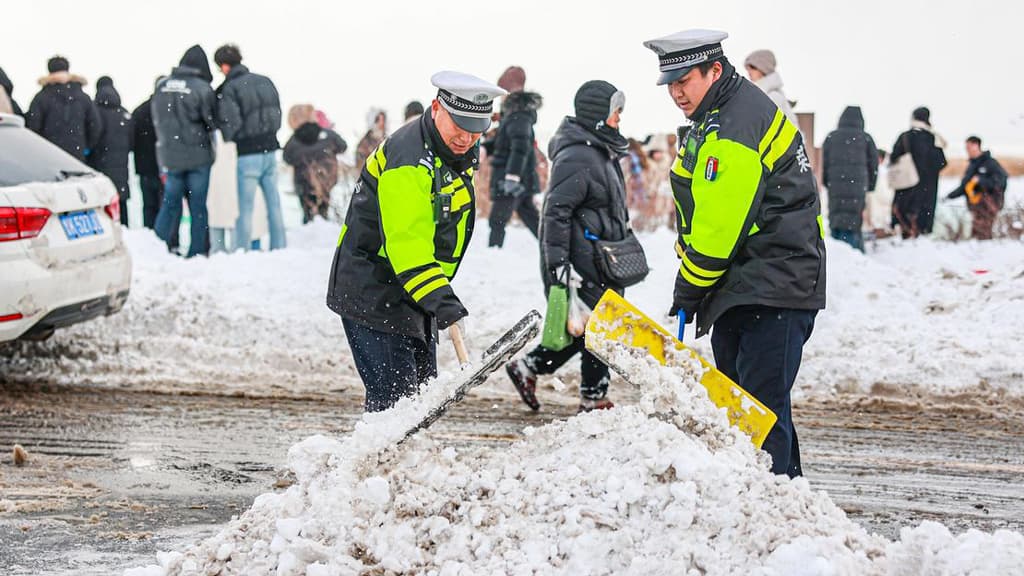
[{"x": 113, "y": 476}]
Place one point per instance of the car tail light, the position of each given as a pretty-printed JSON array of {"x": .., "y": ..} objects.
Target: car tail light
[
  {"x": 11, "y": 317},
  {"x": 22, "y": 223},
  {"x": 114, "y": 209}
]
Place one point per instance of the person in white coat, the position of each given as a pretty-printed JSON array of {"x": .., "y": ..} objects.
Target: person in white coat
[
  {"x": 222, "y": 201},
  {"x": 760, "y": 65}
]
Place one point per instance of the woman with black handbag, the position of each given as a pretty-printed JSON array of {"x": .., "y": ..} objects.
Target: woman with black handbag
[{"x": 585, "y": 225}]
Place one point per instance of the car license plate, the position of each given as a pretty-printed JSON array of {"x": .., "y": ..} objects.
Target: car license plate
[{"x": 81, "y": 224}]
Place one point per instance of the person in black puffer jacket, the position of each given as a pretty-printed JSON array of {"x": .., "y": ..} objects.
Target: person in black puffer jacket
[
  {"x": 62, "y": 112},
  {"x": 850, "y": 163},
  {"x": 586, "y": 201},
  {"x": 514, "y": 179},
  {"x": 110, "y": 155},
  {"x": 249, "y": 114},
  {"x": 313, "y": 153}
]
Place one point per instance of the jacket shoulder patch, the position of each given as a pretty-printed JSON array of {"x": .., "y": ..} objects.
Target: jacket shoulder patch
[{"x": 711, "y": 169}]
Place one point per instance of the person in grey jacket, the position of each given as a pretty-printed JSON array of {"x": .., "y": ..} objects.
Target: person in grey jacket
[
  {"x": 183, "y": 118},
  {"x": 249, "y": 114},
  {"x": 850, "y": 166}
]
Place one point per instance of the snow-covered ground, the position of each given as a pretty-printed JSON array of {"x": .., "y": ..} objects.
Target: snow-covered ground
[
  {"x": 920, "y": 318},
  {"x": 628, "y": 491},
  {"x": 665, "y": 486}
]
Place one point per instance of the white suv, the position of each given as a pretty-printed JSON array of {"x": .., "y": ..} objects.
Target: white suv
[{"x": 62, "y": 255}]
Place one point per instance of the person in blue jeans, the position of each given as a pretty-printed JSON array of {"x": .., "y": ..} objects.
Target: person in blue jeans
[
  {"x": 249, "y": 114},
  {"x": 258, "y": 170},
  {"x": 196, "y": 182},
  {"x": 182, "y": 108}
]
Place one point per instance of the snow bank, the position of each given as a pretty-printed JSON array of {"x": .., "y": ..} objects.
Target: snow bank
[
  {"x": 918, "y": 318},
  {"x": 250, "y": 323},
  {"x": 662, "y": 487}
]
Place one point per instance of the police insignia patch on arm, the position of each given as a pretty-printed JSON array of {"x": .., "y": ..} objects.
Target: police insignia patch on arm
[{"x": 711, "y": 169}]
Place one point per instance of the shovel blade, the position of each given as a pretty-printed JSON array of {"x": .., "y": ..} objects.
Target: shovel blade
[
  {"x": 617, "y": 320},
  {"x": 493, "y": 358}
]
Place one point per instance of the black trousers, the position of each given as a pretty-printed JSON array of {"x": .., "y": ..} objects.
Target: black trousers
[
  {"x": 760, "y": 348},
  {"x": 595, "y": 374},
  {"x": 501, "y": 212},
  {"x": 152, "y": 195},
  {"x": 391, "y": 366}
]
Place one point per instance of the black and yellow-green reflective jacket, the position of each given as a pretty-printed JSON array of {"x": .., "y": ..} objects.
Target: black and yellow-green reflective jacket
[
  {"x": 407, "y": 228},
  {"x": 749, "y": 217}
]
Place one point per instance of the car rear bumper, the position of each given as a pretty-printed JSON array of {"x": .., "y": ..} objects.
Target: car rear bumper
[
  {"x": 49, "y": 297},
  {"x": 73, "y": 314}
]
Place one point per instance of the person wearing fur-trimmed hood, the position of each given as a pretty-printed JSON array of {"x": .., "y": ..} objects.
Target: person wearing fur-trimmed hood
[{"x": 62, "y": 112}]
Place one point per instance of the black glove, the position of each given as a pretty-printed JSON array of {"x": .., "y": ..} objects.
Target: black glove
[
  {"x": 513, "y": 188},
  {"x": 673, "y": 312}
]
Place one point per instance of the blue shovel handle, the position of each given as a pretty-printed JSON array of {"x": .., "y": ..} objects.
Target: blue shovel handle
[{"x": 682, "y": 323}]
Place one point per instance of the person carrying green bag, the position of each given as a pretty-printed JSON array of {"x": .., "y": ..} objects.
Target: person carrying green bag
[
  {"x": 555, "y": 336},
  {"x": 585, "y": 205}
]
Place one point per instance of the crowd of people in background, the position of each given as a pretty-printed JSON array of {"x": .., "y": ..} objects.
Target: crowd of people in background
[{"x": 213, "y": 149}]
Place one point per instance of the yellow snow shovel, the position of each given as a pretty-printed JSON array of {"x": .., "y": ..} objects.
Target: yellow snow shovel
[{"x": 616, "y": 319}]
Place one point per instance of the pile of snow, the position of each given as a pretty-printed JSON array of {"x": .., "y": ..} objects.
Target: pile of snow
[{"x": 665, "y": 486}]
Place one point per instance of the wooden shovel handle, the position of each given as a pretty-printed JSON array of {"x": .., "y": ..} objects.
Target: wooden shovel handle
[{"x": 460, "y": 345}]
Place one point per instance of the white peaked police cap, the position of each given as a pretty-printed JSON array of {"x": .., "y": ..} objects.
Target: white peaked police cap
[
  {"x": 678, "y": 53},
  {"x": 470, "y": 100}
]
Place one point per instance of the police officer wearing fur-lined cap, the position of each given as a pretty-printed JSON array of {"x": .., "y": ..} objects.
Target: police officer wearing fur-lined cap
[
  {"x": 750, "y": 235},
  {"x": 408, "y": 226}
]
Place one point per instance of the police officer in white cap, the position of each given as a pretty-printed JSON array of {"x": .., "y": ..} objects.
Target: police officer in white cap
[
  {"x": 750, "y": 236},
  {"x": 407, "y": 228}
]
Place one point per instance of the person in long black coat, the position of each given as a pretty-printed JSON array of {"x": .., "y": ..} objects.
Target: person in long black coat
[
  {"x": 110, "y": 155},
  {"x": 514, "y": 180},
  {"x": 8, "y": 86},
  {"x": 914, "y": 208},
  {"x": 586, "y": 201},
  {"x": 850, "y": 166},
  {"x": 144, "y": 154},
  {"x": 62, "y": 112}
]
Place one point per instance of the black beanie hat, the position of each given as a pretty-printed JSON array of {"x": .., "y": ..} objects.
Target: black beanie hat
[
  {"x": 593, "y": 102},
  {"x": 104, "y": 81},
  {"x": 922, "y": 114}
]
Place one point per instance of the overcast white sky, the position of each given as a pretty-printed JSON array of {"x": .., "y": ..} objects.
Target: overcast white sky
[{"x": 962, "y": 59}]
